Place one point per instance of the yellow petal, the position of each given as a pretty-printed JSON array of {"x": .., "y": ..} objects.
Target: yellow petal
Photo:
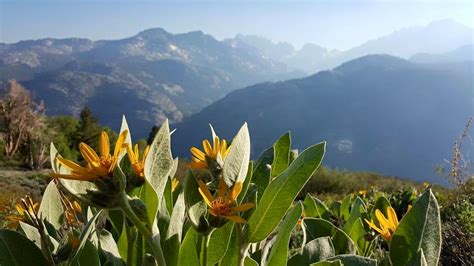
[
  {"x": 207, "y": 147},
  {"x": 72, "y": 165},
  {"x": 373, "y": 226},
  {"x": 73, "y": 177},
  {"x": 216, "y": 147},
  {"x": 20, "y": 209},
  {"x": 132, "y": 156},
  {"x": 198, "y": 153},
  {"x": 198, "y": 165},
  {"x": 118, "y": 145},
  {"x": 145, "y": 154},
  {"x": 384, "y": 223},
  {"x": 174, "y": 184},
  {"x": 243, "y": 207},
  {"x": 235, "y": 218},
  {"x": 104, "y": 143},
  {"x": 205, "y": 193},
  {"x": 88, "y": 153},
  {"x": 222, "y": 188},
  {"x": 235, "y": 191},
  {"x": 135, "y": 150},
  {"x": 223, "y": 148},
  {"x": 392, "y": 218}
]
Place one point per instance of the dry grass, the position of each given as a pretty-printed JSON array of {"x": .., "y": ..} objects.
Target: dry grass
[{"x": 15, "y": 184}]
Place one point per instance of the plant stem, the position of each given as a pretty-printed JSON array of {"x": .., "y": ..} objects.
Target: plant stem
[
  {"x": 131, "y": 241},
  {"x": 243, "y": 245},
  {"x": 204, "y": 246},
  {"x": 154, "y": 244}
]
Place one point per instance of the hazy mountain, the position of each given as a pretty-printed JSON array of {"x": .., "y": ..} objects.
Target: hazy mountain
[
  {"x": 378, "y": 113},
  {"x": 437, "y": 37},
  {"x": 310, "y": 58},
  {"x": 149, "y": 76},
  {"x": 461, "y": 54}
]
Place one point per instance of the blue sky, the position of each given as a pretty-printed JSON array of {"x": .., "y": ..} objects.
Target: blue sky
[{"x": 337, "y": 24}]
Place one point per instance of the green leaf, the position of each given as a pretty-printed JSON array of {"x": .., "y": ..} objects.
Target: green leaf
[
  {"x": 188, "y": 252},
  {"x": 17, "y": 250},
  {"x": 109, "y": 248},
  {"x": 381, "y": 204},
  {"x": 316, "y": 228},
  {"x": 419, "y": 229},
  {"x": 328, "y": 263},
  {"x": 357, "y": 211},
  {"x": 418, "y": 260},
  {"x": 245, "y": 186},
  {"x": 174, "y": 233},
  {"x": 150, "y": 198},
  {"x": 85, "y": 234},
  {"x": 354, "y": 260},
  {"x": 237, "y": 160},
  {"x": 281, "y": 155},
  {"x": 315, "y": 250},
  {"x": 33, "y": 235},
  {"x": 168, "y": 193},
  {"x": 357, "y": 234},
  {"x": 88, "y": 256},
  {"x": 231, "y": 256},
  {"x": 345, "y": 208},
  {"x": 282, "y": 191},
  {"x": 250, "y": 262},
  {"x": 279, "y": 251},
  {"x": 51, "y": 208},
  {"x": 158, "y": 164},
  {"x": 261, "y": 174},
  {"x": 196, "y": 208},
  {"x": 218, "y": 243},
  {"x": 315, "y": 208}
]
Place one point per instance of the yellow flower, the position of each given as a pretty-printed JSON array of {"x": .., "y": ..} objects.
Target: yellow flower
[
  {"x": 27, "y": 210},
  {"x": 223, "y": 204},
  {"x": 363, "y": 193},
  {"x": 174, "y": 184},
  {"x": 388, "y": 225},
  {"x": 217, "y": 152},
  {"x": 97, "y": 166},
  {"x": 138, "y": 164}
]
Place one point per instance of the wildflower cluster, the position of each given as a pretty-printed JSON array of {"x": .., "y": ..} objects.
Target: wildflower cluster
[{"x": 126, "y": 207}]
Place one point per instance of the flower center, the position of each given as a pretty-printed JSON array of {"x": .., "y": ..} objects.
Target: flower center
[
  {"x": 106, "y": 160},
  {"x": 220, "y": 206},
  {"x": 139, "y": 169}
]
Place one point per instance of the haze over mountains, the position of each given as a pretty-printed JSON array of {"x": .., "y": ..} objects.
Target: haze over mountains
[
  {"x": 437, "y": 37},
  {"x": 379, "y": 113},
  {"x": 151, "y": 76}
]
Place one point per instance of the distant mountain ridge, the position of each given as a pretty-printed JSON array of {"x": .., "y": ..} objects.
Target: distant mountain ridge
[
  {"x": 149, "y": 77},
  {"x": 437, "y": 37},
  {"x": 378, "y": 113},
  {"x": 460, "y": 54}
]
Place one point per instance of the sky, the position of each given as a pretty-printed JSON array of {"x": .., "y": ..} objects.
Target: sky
[{"x": 335, "y": 24}]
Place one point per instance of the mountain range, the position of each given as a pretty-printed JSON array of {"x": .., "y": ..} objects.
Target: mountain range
[
  {"x": 378, "y": 113},
  {"x": 437, "y": 37},
  {"x": 396, "y": 115},
  {"x": 149, "y": 77}
]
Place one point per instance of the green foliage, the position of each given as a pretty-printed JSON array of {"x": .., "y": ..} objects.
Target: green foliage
[
  {"x": 419, "y": 229},
  {"x": 233, "y": 214}
]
